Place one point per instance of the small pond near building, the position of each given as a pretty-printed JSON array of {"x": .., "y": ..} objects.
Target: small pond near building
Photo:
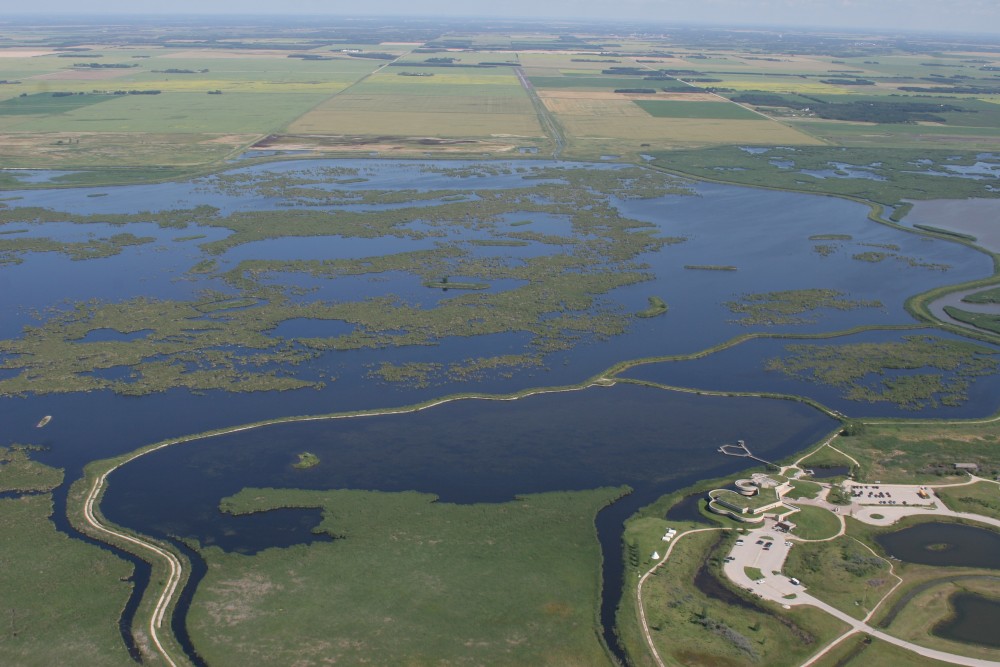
[{"x": 944, "y": 544}]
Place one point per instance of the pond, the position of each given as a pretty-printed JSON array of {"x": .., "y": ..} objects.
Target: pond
[
  {"x": 689, "y": 509},
  {"x": 975, "y": 620},
  {"x": 944, "y": 544}
]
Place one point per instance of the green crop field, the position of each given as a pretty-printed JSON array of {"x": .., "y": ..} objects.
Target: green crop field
[
  {"x": 671, "y": 109},
  {"x": 48, "y": 103},
  {"x": 178, "y": 112},
  {"x": 453, "y": 102}
]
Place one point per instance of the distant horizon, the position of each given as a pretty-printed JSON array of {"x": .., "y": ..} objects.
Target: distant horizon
[{"x": 863, "y": 16}]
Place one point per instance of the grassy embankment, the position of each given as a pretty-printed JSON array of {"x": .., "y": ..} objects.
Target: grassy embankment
[{"x": 864, "y": 651}]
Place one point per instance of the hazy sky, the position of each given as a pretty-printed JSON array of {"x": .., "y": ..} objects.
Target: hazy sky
[{"x": 961, "y": 15}]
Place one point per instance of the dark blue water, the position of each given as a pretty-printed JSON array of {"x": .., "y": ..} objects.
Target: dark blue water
[
  {"x": 944, "y": 544},
  {"x": 975, "y": 620},
  {"x": 465, "y": 452}
]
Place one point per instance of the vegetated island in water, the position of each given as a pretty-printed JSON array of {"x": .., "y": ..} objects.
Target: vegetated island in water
[
  {"x": 710, "y": 267},
  {"x": 306, "y": 460},
  {"x": 657, "y": 306}
]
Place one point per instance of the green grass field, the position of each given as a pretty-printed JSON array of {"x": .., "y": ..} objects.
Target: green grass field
[
  {"x": 841, "y": 572},
  {"x": 671, "y": 109},
  {"x": 48, "y": 104},
  {"x": 407, "y": 582},
  {"x": 923, "y": 453},
  {"x": 979, "y": 498}
]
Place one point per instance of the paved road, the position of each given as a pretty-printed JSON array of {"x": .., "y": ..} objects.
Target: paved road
[{"x": 776, "y": 587}]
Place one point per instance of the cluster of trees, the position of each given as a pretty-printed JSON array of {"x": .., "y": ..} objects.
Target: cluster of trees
[
  {"x": 626, "y": 71},
  {"x": 105, "y": 65},
  {"x": 954, "y": 90},
  {"x": 848, "y": 82},
  {"x": 867, "y": 112},
  {"x": 179, "y": 71},
  {"x": 374, "y": 54}
]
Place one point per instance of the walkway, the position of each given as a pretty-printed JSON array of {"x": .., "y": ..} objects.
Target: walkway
[{"x": 780, "y": 589}]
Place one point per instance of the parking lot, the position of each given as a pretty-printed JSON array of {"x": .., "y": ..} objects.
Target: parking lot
[
  {"x": 766, "y": 549},
  {"x": 889, "y": 494}
]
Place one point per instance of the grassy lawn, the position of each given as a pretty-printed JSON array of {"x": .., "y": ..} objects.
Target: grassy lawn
[
  {"x": 815, "y": 523},
  {"x": 803, "y": 489},
  {"x": 979, "y": 498},
  {"x": 410, "y": 581},
  {"x": 841, "y": 572}
]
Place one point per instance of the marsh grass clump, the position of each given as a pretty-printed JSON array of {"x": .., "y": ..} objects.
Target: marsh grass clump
[
  {"x": 884, "y": 372},
  {"x": 788, "y": 307}
]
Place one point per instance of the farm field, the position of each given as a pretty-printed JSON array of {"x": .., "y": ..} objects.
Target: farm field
[
  {"x": 114, "y": 106},
  {"x": 428, "y": 102},
  {"x": 485, "y": 94}
]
